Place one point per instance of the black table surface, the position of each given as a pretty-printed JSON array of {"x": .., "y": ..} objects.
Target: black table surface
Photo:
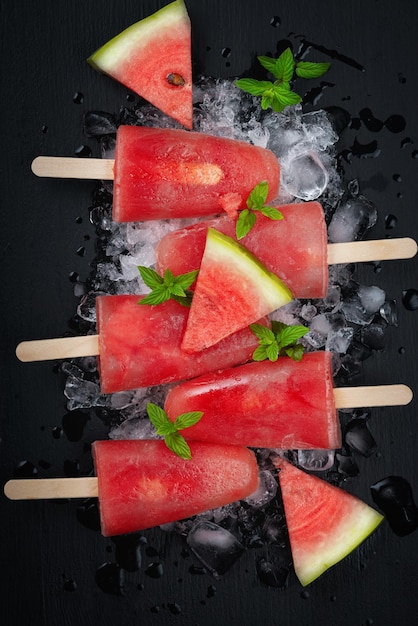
[{"x": 48, "y": 558}]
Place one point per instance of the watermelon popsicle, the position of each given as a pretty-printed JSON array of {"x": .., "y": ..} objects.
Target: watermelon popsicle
[
  {"x": 139, "y": 345},
  {"x": 166, "y": 173},
  {"x": 283, "y": 404},
  {"x": 294, "y": 248},
  {"x": 141, "y": 484}
]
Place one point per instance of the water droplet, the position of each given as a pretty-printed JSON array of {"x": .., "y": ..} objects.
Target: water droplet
[
  {"x": 410, "y": 299},
  {"x": 73, "y": 276},
  {"x": 174, "y": 608},
  {"x": 211, "y": 591},
  {"x": 394, "y": 496},
  {"x": 81, "y": 251},
  {"x": 79, "y": 220},
  {"x": 70, "y": 585},
  {"x": 391, "y": 221},
  {"x": 44, "y": 129},
  {"x": 83, "y": 151},
  {"x": 365, "y": 151},
  {"x": 406, "y": 142},
  {"x": 78, "y": 97},
  {"x": 395, "y": 123},
  {"x": 226, "y": 52},
  {"x": 397, "y": 178},
  {"x": 130, "y": 97},
  {"x": 415, "y": 154},
  {"x": 305, "y": 594},
  {"x": 401, "y": 78},
  {"x": 155, "y": 570},
  {"x": 110, "y": 578},
  {"x": 73, "y": 424},
  {"x": 56, "y": 432},
  {"x": 25, "y": 469},
  {"x": 88, "y": 514},
  {"x": 370, "y": 122},
  {"x": 275, "y": 21},
  {"x": 71, "y": 468},
  {"x": 128, "y": 552},
  {"x": 401, "y": 350}
]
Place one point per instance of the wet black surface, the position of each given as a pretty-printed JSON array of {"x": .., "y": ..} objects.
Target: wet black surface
[{"x": 55, "y": 566}]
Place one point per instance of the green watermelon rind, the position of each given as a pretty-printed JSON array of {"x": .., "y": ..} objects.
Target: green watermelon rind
[
  {"x": 338, "y": 542},
  {"x": 107, "y": 58},
  {"x": 270, "y": 288}
]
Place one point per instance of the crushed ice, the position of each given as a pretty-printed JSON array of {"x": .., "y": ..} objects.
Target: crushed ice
[{"x": 306, "y": 147}]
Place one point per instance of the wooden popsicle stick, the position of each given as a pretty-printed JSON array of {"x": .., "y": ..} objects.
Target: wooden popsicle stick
[
  {"x": 375, "y": 250},
  {"x": 70, "y": 167},
  {"x": 51, "y": 488},
  {"x": 378, "y": 395},
  {"x": 59, "y": 348}
]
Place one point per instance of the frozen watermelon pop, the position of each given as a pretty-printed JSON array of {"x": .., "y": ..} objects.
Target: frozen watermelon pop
[
  {"x": 165, "y": 173},
  {"x": 141, "y": 484},
  {"x": 294, "y": 248},
  {"x": 139, "y": 345},
  {"x": 283, "y": 404}
]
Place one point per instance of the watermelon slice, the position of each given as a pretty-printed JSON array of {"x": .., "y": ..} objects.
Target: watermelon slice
[
  {"x": 324, "y": 522},
  {"x": 153, "y": 58},
  {"x": 233, "y": 290}
]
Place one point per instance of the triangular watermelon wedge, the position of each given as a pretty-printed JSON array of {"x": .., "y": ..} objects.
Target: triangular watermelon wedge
[
  {"x": 233, "y": 290},
  {"x": 153, "y": 58},
  {"x": 324, "y": 522}
]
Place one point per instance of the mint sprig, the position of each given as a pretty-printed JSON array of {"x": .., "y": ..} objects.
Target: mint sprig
[
  {"x": 168, "y": 286},
  {"x": 278, "y": 94},
  {"x": 169, "y": 430},
  {"x": 279, "y": 341},
  {"x": 255, "y": 202}
]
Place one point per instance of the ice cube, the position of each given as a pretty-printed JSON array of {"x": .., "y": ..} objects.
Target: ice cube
[
  {"x": 265, "y": 492},
  {"x": 304, "y": 176},
  {"x": 352, "y": 218},
  {"x": 214, "y": 546},
  {"x": 315, "y": 460}
]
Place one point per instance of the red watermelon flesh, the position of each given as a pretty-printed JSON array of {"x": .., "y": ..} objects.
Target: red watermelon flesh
[
  {"x": 142, "y": 483},
  {"x": 294, "y": 248},
  {"x": 233, "y": 290},
  {"x": 164, "y": 173},
  {"x": 324, "y": 522},
  {"x": 153, "y": 58},
  {"x": 285, "y": 404},
  {"x": 139, "y": 345}
]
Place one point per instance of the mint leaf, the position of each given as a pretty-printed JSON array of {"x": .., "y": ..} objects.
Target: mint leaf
[
  {"x": 280, "y": 340},
  {"x": 260, "y": 353},
  {"x": 159, "y": 419},
  {"x": 258, "y": 195},
  {"x": 263, "y": 333},
  {"x": 285, "y": 66},
  {"x": 254, "y": 87},
  {"x": 305, "y": 69},
  {"x": 272, "y": 351},
  {"x": 271, "y": 212},
  {"x": 255, "y": 202},
  {"x": 150, "y": 277},
  {"x": 291, "y": 334},
  {"x": 169, "y": 430},
  {"x": 185, "y": 420},
  {"x": 185, "y": 280},
  {"x": 269, "y": 64},
  {"x": 278, "y": 94},
  {"x": 245, "y": 222},
  {"x": 167, "y": 286},
  {"x": 177, "y": 444}
]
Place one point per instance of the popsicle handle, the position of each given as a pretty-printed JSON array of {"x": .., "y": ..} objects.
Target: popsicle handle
[
  {"x": 70, "y": 167},
  {"x": 60, "y": 348},
  {"x": 376, "y": 250},
  {"x": 378, "y": 395},
  {"x": 51, "y": 488}
]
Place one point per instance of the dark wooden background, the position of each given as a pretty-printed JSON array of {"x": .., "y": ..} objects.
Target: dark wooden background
[{"x": 48, "y": 559}]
